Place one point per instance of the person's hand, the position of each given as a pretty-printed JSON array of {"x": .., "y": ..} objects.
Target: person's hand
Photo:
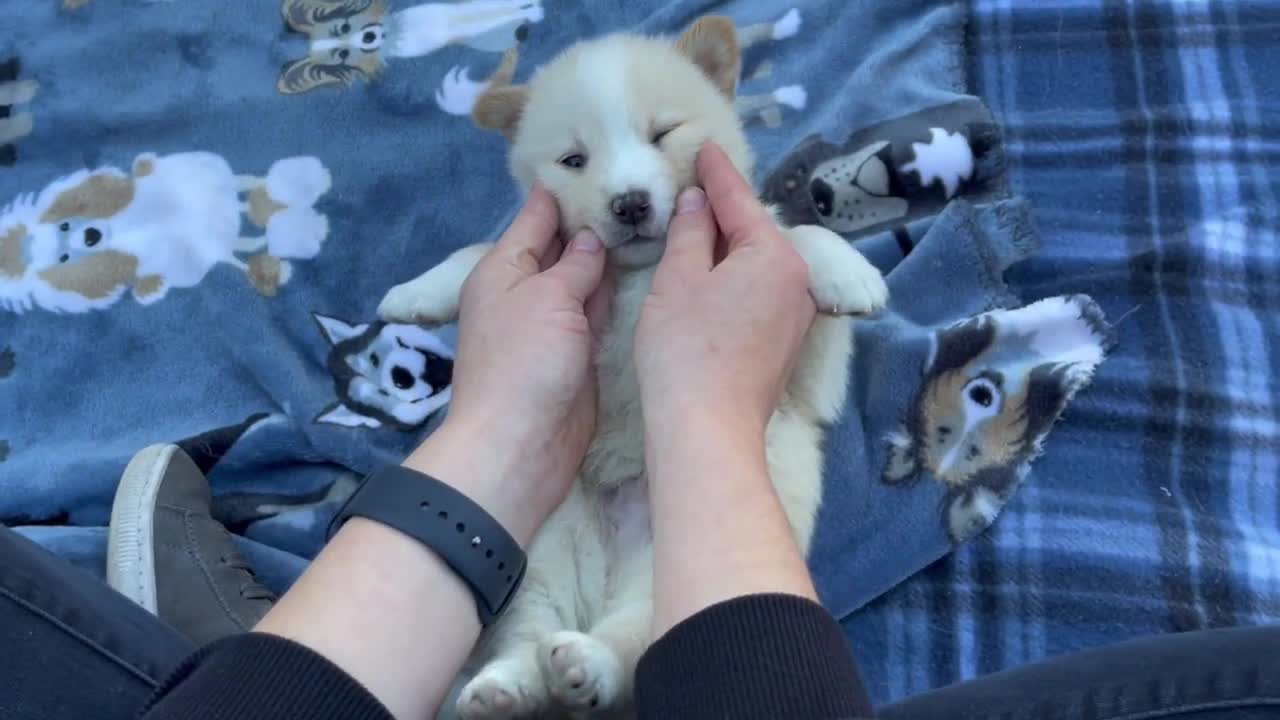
[
  {"x": 714, "y": 347},
  {"x": 716, "y": 341},
  {"x": 524, "y": 394}
]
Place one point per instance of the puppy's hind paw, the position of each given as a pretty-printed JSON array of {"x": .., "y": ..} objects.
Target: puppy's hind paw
[
  {"x": 497, "y": 693},
  {"x": 582, "y": 673}
]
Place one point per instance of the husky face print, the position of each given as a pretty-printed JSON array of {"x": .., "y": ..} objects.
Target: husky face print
[
  {"x": 856, "y": 190},
  {"x": 891, "y": 173},
  {"x": 385, "y": 374}
]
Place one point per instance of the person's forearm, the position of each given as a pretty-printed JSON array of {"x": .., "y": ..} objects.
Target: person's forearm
[
  {"x": 710, "y": 490},
  {"x": 386, "y": 609}
]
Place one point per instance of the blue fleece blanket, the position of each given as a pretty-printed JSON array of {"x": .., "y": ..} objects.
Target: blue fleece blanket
[{"x": 201, "y": 205}]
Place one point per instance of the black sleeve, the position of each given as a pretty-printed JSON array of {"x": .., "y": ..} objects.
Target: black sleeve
[
  {"x": 760, "y": 656},
  {"x": 261, "y": 677}
]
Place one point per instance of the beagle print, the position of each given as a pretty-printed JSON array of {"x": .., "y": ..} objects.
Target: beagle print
[
  {"x": 350, "y": 40},
  {"x": 88, "y": 238},
  {"x": 993, "y": 387}
]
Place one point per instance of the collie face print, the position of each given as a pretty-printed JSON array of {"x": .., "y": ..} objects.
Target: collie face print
[{"x": 993, "y": 387}]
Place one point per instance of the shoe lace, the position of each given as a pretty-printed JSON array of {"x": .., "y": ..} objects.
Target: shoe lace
[{"x": 250, "y": 589}]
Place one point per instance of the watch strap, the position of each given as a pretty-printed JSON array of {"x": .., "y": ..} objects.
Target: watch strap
[{"x": 469, "y": 540}]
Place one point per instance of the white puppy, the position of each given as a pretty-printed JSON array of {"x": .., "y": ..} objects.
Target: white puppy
[{"x": 612, "y": 128}]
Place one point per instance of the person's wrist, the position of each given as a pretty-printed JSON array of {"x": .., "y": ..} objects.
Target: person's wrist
[
  {"x": 489, "y": 474},
  {"x": 702, "y": 429}
]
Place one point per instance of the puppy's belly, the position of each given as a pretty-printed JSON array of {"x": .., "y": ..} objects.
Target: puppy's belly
[
  {"x": 616, "y": 454},
  {"x": 627, "y": 521}
]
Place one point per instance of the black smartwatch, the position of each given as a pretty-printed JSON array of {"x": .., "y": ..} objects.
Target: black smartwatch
[{"x": 468, "y": 539}]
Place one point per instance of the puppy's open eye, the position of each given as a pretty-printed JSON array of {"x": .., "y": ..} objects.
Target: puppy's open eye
[
  {"x": 574, "y": 161},
  {"x": 661, "y": 133},
  {"x": 64, "y": 226}
]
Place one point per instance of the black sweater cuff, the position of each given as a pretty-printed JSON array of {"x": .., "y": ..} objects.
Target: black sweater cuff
[
  {"x": 261, "y": 677},
  {"x": 760, "y": 656}
]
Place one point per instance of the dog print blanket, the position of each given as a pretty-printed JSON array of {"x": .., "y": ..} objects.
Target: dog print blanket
[{"x": 201, "y": 205}]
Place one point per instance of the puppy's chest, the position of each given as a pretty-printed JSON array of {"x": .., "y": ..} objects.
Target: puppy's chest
[{"x": 617, "y": 452}]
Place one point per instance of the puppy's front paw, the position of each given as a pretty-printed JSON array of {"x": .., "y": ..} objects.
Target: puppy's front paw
[
  {"x": 854, "y": 287},
  {"x": 418, "y": 303},
  {"x": 841, "y": 280},
  {"x": 581, "y": 673},
  {"x": 432, "y": 298},
  {"x": 503, "y": 689}
]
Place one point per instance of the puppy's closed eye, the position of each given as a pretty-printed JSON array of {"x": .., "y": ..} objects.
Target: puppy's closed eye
[
  {"x": 662, "y": 132},
  {"x": 574, "y": 161}
]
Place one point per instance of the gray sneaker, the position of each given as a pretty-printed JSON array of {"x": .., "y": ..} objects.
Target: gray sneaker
[{"x": 166, "y": 552}]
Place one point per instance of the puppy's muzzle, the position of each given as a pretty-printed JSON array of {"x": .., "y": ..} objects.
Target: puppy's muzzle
[{"x": 632, "y": 207}]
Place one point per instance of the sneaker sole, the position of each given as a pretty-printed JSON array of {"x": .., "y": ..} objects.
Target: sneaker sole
[{"x": 131, "y": 564}]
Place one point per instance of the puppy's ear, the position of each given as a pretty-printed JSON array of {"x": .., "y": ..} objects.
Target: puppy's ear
[
  {"x": 500, "y": 109},
  {"x": 502, "y": 104},
  {"x": 712, "y": 44}
]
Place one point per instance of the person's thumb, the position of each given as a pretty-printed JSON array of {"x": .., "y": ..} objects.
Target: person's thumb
[
  {"x": 691, "y": 237},
  {"x": 581, "y": 266}
]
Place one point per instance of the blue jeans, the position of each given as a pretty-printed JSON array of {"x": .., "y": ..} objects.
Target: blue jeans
[{"x": 72, "y": 649}]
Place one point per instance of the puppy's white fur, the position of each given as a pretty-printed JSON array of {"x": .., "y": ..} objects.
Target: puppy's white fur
[{"x": 572, "y": 637}]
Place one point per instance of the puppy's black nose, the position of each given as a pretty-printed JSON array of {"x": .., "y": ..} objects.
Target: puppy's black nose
[
  {"x": 631, "y": 207},
  {"x": 92, "y": 236}
]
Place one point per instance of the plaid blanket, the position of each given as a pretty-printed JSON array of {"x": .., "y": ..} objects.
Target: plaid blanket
[{"x": 1145, "y": 135}]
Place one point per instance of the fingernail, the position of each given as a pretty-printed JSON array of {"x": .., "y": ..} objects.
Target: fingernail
[
  {"x": 586, "y": 241},
  {"x": 691, "y": 199}
]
